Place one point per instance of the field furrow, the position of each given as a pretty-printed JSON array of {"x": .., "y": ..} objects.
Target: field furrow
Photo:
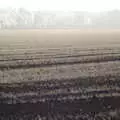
[{"x": 60, "y": 74}]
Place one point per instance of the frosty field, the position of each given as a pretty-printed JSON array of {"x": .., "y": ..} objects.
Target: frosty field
[{"x": 63, "y": 71}]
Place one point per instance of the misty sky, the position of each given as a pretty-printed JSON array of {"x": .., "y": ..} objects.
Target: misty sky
[{"x": 64, "y": 5}]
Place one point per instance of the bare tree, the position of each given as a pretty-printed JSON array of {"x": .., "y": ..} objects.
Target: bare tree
[{"x": 1, "y": 24}]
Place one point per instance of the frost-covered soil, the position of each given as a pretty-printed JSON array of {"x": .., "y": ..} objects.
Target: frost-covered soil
[{"x": 76, "y": 79}]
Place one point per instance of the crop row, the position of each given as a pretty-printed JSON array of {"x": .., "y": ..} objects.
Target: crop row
[
  {"x": 62, "y": 116},
  {"x": 11, "y": 48},
  {"x": 61, "y": 90},
  {"x": 55, "y": 51},
  {"x": 60, "y": 72},
  {"x": 80, "y": 82},
  {"x": 31, "y": 63}
]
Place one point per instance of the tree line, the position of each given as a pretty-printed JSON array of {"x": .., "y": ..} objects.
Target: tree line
[{"x": 22, "y": 18}]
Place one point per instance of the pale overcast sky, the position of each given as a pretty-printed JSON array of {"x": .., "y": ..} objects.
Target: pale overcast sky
[{"x": 65, "y": 5}]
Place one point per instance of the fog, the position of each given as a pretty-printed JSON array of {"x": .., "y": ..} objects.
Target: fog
[
  {"x": 63, "y": 5},
  {"x": 59, "y": 14}
]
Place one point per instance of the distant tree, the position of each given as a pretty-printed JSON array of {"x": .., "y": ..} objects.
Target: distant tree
[{"x": 1, "y": 24}]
